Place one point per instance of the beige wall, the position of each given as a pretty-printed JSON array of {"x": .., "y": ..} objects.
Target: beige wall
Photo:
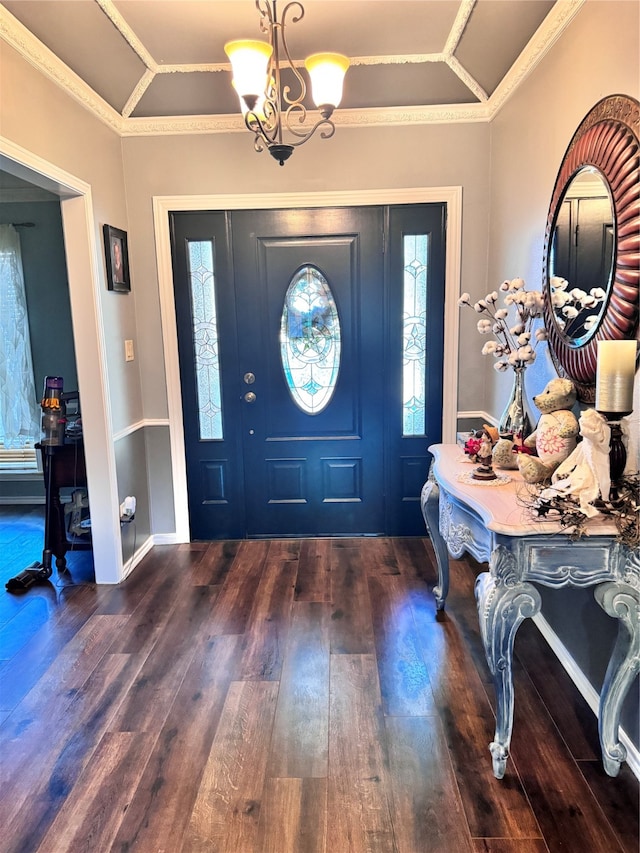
[
  {"x": 599, "y": 55},
  {"x": 39, "y": 116},
  {"x": 42, "y": 126},
  {"x": 353, "y": 159}
]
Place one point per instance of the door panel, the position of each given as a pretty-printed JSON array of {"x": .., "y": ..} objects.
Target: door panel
[
  {"x": 348, "y": 467},
  {"x": 415, "y": 341},
  {"x": 311, "y": 474},
  {"x": 215, "y": 475}
]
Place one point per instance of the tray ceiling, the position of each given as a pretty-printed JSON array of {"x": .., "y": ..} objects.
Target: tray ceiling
[{"x": 159, "y": 67}]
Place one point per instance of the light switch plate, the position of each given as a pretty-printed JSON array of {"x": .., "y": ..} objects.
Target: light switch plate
[{"x": 128, "y": 350}]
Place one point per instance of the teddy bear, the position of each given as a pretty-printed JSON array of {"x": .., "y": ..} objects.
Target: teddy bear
[{"x": 555, "y": 435}]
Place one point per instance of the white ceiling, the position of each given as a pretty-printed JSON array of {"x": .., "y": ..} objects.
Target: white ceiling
[{"x": 158, "y": 66}]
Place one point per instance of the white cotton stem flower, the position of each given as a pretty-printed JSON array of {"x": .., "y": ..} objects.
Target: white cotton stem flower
[
  {"x": 541, "y": 334},
  {"x": 491, "y": 298},
  {"x": 500, "y": 366},
  {"x": 518, "y": 329},
  {"x": 489, "y": 348},
  {"x": 516, "y": 284},
  {"x": 480, "y": 306},
  {"x": 501, "y": 314},
  {"x": 465, "y": 299},
  {"x": 570, "y": 312},
  {"x": 597, "y": 293},
  {"x": 526, "y": 354},
  {"x": 524, "y": 338},
  {"x": 558, "y": 283},
  {"x": 484, "y": 326}
]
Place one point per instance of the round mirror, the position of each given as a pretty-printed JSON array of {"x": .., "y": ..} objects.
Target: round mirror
[
  {"x": 592, "y": 247},
  {"x": 581, "y": 257}
]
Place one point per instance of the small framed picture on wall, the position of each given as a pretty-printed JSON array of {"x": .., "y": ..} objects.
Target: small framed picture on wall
[{"x": 117, "y": 258}]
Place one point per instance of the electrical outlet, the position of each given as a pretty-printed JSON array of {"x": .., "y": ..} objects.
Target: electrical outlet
[{"x": 128, "y": 351}]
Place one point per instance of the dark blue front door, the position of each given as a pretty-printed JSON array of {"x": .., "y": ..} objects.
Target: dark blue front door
[{"x": 286, "y": 391}]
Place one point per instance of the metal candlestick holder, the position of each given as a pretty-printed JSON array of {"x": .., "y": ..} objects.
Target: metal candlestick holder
[{"x": 617, "y": 451}]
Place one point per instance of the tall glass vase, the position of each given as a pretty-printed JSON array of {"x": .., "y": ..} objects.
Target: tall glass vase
[{"x": 516, "y": 419}]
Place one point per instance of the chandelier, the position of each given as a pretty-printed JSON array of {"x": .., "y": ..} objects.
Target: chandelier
[{"x": 268, "y": 107}]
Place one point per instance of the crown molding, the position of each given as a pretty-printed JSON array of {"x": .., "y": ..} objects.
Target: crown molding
[
  {"x": 31, "y": 49},
  {"x": 545, "y": 37}
]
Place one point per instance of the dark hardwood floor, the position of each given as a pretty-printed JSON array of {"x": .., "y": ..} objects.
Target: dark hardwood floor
[{"x": 290, "y": 696}]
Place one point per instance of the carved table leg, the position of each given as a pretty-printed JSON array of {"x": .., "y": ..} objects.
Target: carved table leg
[
  {"x": 623, "y": 603},
  {"x": 503, "y": 604},
  {"x": 431, "y": 513}
]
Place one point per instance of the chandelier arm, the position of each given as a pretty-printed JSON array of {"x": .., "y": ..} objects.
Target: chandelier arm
[
  {"x": 266, "y": 15},
  {"x": 266, "y": 118},
  {"x": 327, "y": 132},
  {"x": 300, "y": 79},
  {"x": 261, "y": 130}
]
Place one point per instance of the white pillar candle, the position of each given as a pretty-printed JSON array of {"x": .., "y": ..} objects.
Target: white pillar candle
[{"x": 615, "y": 371}]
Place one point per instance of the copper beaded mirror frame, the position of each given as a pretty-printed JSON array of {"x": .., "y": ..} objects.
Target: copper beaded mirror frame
[{"x": 606, "y": 143}]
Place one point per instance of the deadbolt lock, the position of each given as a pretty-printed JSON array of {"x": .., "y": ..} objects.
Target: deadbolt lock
[{"x": 250, "y": 397}]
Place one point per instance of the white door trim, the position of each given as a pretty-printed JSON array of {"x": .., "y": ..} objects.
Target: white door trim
[
  {"x": 163, "y": 205},
  {"x": 83, "y": 263}
]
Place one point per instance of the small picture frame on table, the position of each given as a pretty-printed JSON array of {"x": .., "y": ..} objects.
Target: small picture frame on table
[{"x": 117, "y": 258}]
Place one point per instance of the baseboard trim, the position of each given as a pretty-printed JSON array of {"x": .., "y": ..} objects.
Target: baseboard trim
[
  {"x": 588, "y": 692},
  {"x": 168, "y": 539},
  {"x": 485, "y": 417},
  {"x": 137, "y": 557}
]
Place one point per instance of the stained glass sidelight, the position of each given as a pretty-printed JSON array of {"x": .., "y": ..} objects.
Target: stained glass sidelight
[
  {"x": 205, "y": 338},
  {"x": 310, "y": 340},
  {"x": 416, "y": 250}
]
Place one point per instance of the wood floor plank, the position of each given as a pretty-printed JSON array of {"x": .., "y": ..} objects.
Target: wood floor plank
[
  {"x": 163, "y": 801},
  {"x": 404, "y": 679},
  {"x": 227, "y": 809},
  {"x": 313, "y": 582},
  {"x": 566, "y": 809},
  {"x": 300, "y": 735},
  {"x": 351, "y": 627},
  {"x": 358, "y": 800},
  {"x": 235, "y": 601},
  {"x": 569, "y": 709},
  {"x": 427, "y": 808},
  {"x": 40, "y": 787},
  {"x": 305, "y": 761},
  {"x": 149, "y": 616},
  {"x": 510, "y": 845},
  {"x": 29, "y": 726},
  {"x": 90, "y": 816},
  {"x": 20, "y": 674},
  {"x": 151, "y": 695},
  {"x": 492, "y": 807},
  {"x": 293, "y": 816},
  {"x": 284, "y": 549},
  {"x": 265, "y": 636},
  {"x": 215, "y": 564},
  {"x": 619, "y": 800}
]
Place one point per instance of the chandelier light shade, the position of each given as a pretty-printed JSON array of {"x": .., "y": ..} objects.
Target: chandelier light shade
[{"x": 277, "y": 119}]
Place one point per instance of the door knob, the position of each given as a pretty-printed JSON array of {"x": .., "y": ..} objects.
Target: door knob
[
  {"x": 250, "y": 397},
  {"x": 249, "y": 378}
]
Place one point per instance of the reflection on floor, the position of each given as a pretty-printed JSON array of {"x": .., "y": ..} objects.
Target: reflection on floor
[{"x": 21, "y": 544}]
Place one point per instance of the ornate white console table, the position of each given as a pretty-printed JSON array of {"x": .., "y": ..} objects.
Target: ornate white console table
[{"x": 492, "y": 524}]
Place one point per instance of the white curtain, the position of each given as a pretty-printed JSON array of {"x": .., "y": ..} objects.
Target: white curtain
[{"x": 19, "y": 414}]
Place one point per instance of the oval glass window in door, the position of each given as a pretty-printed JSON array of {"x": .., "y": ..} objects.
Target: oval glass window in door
[{"x": 310, "y": 340}]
